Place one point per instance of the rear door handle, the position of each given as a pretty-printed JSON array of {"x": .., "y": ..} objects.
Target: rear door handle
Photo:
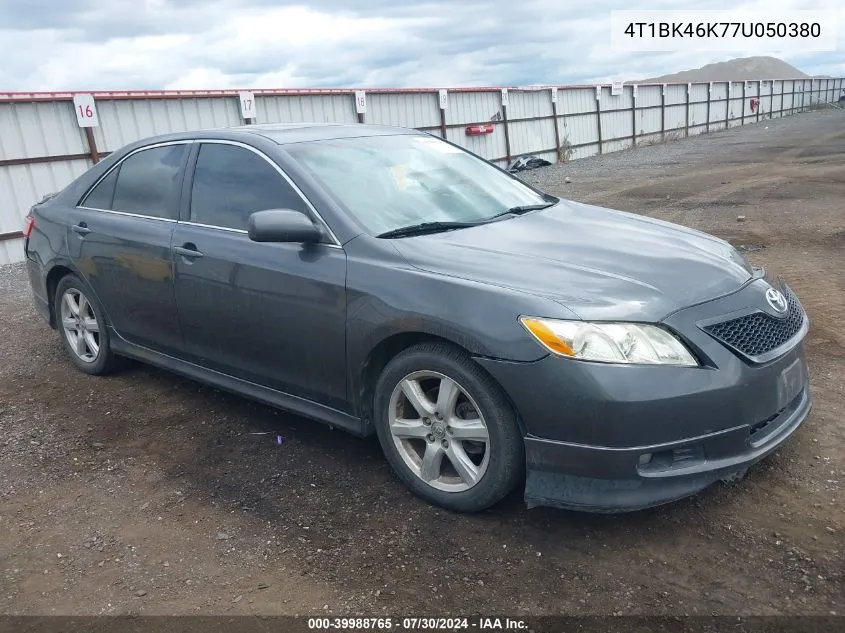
[
  {"x": 187, "y": 250},
  {"x": 81, "y": 228}
]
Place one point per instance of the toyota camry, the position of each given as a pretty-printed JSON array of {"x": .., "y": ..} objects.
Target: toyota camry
[{"x": 384, "y": 281}]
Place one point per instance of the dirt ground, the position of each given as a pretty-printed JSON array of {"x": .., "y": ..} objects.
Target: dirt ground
[{"x": 147, "y": 493}]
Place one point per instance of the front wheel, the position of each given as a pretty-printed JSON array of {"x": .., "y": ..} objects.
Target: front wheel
[{"x": 446, "y": 428}]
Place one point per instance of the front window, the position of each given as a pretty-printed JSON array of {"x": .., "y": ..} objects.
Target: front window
[{"x": 389, "y": 182}]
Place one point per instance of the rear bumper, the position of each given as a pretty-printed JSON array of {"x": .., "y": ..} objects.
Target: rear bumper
[
  {"x": 38, "y": 282},
  {"x": 602, "y": 479}
]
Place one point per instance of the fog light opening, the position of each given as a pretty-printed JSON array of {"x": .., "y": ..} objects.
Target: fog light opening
[{"x": 645, "y": 459}]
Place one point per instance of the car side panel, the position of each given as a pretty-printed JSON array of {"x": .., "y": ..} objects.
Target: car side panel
[{"x": 127, "y": 261}]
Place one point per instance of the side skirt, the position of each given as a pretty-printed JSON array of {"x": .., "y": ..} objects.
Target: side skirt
[{"x": 238, "y": 386}]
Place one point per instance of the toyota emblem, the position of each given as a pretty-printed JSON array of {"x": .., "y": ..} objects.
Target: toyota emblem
[{"x": 776, "y": 300}]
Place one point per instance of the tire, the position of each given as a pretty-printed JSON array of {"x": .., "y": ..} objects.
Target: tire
[
  {"x": 437, "y": 446},
  {"x": 91, "y": 327}
]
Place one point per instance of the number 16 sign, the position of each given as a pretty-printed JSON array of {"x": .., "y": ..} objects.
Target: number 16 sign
[{"x": 86, "y": 110}]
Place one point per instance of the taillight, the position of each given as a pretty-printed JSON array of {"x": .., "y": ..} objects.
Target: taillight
[{"x": 29, "y": 224}]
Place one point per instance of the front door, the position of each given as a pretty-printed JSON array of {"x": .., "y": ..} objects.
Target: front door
[
  {"x": 119, "y": 240},
  {"x": 273, "y": 314}
]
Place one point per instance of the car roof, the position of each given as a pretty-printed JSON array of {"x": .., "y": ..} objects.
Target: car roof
[{"x": 284, "y": 133}]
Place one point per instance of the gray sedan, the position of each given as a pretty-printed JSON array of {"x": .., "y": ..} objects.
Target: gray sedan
[{"x": 381, "y": 280}]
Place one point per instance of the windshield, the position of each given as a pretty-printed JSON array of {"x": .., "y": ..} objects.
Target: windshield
[{"x": 389, "y": 182}]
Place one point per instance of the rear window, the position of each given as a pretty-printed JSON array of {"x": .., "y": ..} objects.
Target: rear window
[
  {"x": 148, "y": 182},
  {"x": 102, "y": 195}
]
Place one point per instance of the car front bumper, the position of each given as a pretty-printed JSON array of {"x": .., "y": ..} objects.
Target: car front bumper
[{"x": 614, "y": 438}]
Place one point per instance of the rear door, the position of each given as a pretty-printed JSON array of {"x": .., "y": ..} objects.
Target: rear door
[
  {"x": 119, "y": 239},
  {"x": 273, "y": 314}
]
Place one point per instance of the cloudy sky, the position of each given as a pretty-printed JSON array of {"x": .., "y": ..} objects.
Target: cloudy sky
[{"x": 194, "y": 44}]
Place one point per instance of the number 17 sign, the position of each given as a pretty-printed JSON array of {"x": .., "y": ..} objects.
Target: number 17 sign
[
  {"x": 86, "y": 110},
  {"x": 247, "y": 105}
]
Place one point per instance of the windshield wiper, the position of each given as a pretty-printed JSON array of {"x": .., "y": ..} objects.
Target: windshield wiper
[
  {"x": 529, "y": 207},
  {"x": 427, "y": 227}
]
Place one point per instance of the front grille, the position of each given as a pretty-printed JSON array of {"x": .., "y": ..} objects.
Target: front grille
[{"x": 759, "y": 333}]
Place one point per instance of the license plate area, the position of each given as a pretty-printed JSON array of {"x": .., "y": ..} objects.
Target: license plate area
[{"x": 790, "y": 383}]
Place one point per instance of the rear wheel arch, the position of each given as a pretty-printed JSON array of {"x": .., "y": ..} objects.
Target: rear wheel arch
[
  {"x": 58, "y": 272},
  {"x": 52, "y": 282}
]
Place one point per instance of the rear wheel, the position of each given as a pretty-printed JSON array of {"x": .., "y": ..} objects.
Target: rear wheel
[
  {"x": 82, "y": 327},
  {"x": 447, "y": 429}
]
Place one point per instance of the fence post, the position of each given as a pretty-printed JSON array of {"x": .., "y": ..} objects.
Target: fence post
[
  {"x": 443, "y": 102},
  {"x": 803, "y": 93},
  {"x": 598, "y": 116},
  {"x": 553, "y": 92},
  {"x": 709, "y": 92},
  {"x": 727, "y": 104},
  {"x": 634, "y": 115},
  {"x": 686, "y": 129},
  {"x": 92, "y": 145},
  {"x": 663, "y": 113},
  {"x": 505, "y": 122},
  {"x": 744, "y": 86},
  {"x": 780, "y": 109}
]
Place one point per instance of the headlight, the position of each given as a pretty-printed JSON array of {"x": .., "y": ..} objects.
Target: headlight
[{"x": 610, "y": 342}]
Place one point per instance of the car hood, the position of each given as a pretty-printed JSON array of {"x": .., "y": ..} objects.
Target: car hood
[{"x": 599, "y": 263}]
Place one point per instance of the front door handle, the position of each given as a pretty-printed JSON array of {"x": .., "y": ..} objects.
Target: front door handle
[
  {"x": 187, "y": 250},
  {"x": 81, "y": 228}
]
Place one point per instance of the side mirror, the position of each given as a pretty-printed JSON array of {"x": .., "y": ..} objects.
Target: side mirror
[{"x": 282, "y": 225}]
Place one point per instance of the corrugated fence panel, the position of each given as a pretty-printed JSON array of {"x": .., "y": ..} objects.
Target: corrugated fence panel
[
  {"x": 126, "y": 121},
  {"x": 472, "y": 107},
  {"x": 489, "y": 146},
  {"x": 648, "y": 96},
  {"x": 21, "y": 186},
  {"x": 648, "y": 122},
  {"x": 30, "y": 130},
  {"x": 698, "y": 92},
  {"x": 676, "y": 117},
  {"x": 676, "y": 94},
  {"x": 529, "y": 137},
  {"x": 616, "y": 124},
  {"x": 617, "y": 102},
  {"x": 580, "y": 129},
  {"x": 336, "y": 108},
  {"x": 698, "y": 117},
  {"x": 576, "y": 101},
  {"x": 720, "y": 91},
  {"x": 718, "y": 112},
  {"x": 523, "y": 104},
  {"x": 413, "y": 109}
]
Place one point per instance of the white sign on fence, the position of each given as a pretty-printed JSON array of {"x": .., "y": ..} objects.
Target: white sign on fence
[
  {"x": 616, "y": 88},
  {"x": 86, "y": 110},
  {"x": 247, "y": 105},
  {"x": 360, "y": 102},
  {"x": 444, "y": 99},
  {"x": 554, "y": 95},
  {"x": 505, "y": 97}
]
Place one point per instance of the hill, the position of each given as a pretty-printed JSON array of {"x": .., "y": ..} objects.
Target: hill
[{"x": 734, "y": 70}]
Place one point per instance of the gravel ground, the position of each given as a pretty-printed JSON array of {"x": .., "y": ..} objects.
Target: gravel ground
[{"x": 144, "y": 493}]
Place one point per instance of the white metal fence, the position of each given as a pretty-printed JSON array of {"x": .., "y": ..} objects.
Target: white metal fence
[{"x": 42, "y": 147}]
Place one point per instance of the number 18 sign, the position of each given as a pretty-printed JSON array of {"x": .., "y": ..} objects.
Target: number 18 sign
[{"x": 86, "y": 110}]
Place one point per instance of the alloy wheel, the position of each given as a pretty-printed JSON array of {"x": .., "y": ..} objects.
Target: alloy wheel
[
  {"x": 439, "y": 431},
  {"x": 80, "y": 325}
]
